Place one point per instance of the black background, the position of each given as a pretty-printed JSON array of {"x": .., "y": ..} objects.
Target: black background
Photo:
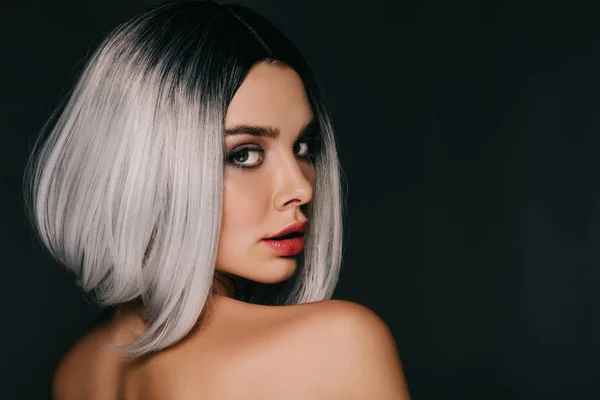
[{"x": 469, "y": 135}]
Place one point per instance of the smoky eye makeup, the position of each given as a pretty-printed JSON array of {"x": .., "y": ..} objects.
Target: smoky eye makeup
[
  {"x": 250, "y": 155},
  {"x": 245, "y": 156}
]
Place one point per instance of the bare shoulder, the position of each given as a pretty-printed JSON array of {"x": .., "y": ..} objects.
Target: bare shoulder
[
  {"x": 358, "y": 350},
  {"x": 330, "y": 349},
  {"x": 323, "y": 350},
  {"x": 344, "y": 313},
  {"x": 344, "y": 321},
  {"x": 85, "y": 369}
]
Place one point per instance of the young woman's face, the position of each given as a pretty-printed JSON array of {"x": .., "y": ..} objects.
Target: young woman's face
[{"x": 269, "y": 180}]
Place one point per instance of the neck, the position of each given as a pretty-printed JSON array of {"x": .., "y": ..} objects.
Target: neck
[{"x": 224, "y": 284}]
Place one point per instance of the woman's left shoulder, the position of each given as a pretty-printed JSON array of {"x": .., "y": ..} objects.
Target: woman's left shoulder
[
  {"x": 351, "y": 351},
  {"x": 339, "y": 328},
  {"x": 344, "y": 314}
]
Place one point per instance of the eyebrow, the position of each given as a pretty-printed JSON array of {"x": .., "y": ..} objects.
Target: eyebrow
[{"x": 269, "y": 132}]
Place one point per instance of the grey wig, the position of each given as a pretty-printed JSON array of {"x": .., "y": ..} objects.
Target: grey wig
[{"x": 126, "y": 189}]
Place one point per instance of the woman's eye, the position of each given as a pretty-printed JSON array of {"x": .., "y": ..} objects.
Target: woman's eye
[
  {"x": 251, "y": 156},
  {"x": 305, "y": 152},
  {"x": 309, "y": 147},
  {"x": 245, "y": 157}
]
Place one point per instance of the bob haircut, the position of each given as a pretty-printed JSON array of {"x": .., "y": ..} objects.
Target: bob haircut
[{"x": 127, "y": 189}]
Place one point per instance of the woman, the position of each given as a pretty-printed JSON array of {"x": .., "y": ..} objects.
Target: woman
[{"x": 191, "y": 182}]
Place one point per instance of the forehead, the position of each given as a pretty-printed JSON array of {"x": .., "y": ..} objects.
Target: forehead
[{"x": 270, "y": 95}]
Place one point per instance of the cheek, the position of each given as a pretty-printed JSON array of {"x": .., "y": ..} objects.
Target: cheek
[
  {"x": 310, "y": 174},
  {"x": 245, "y": 202}
]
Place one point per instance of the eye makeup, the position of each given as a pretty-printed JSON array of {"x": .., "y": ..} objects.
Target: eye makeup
[{"x": 239, "y": 155}]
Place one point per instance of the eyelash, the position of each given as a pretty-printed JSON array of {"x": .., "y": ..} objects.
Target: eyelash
[{"x": 313, "y": 142}]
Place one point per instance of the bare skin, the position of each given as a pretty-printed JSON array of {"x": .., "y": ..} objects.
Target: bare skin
[
  {"x": 246, "y": 351},
  {"x": 321, "y": 350}
]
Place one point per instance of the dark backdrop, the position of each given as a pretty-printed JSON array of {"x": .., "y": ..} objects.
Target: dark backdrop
[{"x": 469, "y": 135}]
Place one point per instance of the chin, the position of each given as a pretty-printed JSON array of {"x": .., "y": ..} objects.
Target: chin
[{"x": 278, "y": 270}]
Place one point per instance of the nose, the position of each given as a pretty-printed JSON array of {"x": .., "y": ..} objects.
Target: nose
[{"x": 294, "y": 185}]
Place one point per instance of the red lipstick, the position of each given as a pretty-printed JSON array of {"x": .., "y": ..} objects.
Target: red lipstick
[{"x": 289, "y": 241}]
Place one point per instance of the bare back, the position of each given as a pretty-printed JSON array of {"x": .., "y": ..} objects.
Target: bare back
[{"x": 242, "y": 350}]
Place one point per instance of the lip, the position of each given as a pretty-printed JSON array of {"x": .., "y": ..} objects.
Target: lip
[
  {"x": 286, "y": 247},
  {"x": 291, "y": 246},
  {"x": 295, "y": 227}
]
